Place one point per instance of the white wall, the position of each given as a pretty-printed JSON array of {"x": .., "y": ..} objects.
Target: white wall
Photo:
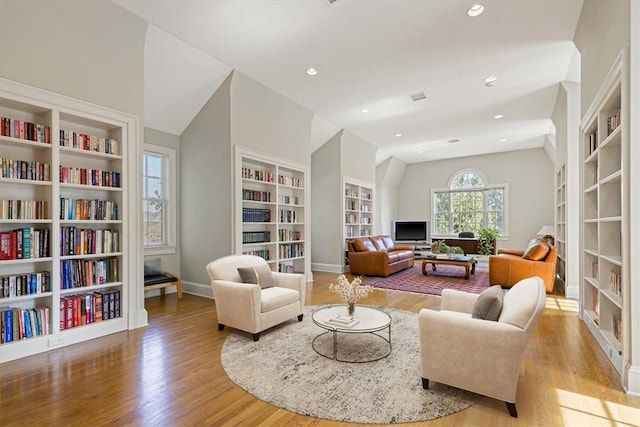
[
  {"x": 388, "y": 177},
  {"x": 358, "y": 158},
  {"x": 529, "y": 174}
]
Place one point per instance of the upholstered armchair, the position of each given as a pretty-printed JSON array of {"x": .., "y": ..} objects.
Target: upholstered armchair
[
  {"x": 256, "y": 305},
  {"x": 481, "y": 356},
  {"x": 510, "y": 266}
]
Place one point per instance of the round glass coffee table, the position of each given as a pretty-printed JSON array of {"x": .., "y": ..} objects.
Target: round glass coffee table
[{"x": 368, "y": 320}]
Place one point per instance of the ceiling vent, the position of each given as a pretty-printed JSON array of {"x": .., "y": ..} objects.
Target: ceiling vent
[
  {"x": 331, "y": 1},
  {"x": 418, "y": 96},
  {"x": 453, "y": 140}
]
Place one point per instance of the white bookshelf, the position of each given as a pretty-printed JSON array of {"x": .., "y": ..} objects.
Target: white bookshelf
[
  {"x": 95, "y": 176},
  {"x": 604, "y": 245},
  {"x": 561, "y": 222},
  {"x": 271, "y": 216},
  {"x": 358, "y": 209}
]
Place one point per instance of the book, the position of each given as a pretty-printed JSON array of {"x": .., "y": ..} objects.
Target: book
[{"x": 343, "y": 321}]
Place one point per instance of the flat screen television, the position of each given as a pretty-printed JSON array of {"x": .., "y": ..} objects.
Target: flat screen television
[{"x": 411, "y": 231}]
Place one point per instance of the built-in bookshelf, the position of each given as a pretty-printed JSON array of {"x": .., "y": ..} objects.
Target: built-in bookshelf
[
  {"x": 358, "y": 210},
  {"x": 272, "y": 216},
  {"x": 63, "y": 220},
  {"x": 561, "y": 222},
  {"x": 604, "y": 244}
]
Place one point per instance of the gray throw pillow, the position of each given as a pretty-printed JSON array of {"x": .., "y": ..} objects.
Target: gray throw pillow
[
  {"x": 488, "y": 306},
  {"x": 260, "y": 275},
  {"x": 153, "y": 267}
]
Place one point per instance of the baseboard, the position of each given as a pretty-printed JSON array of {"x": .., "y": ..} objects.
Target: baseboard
[
  {"x": 572, "y": 292},
  {"x": 138, "y": 318},
  {"x": 198, "y": 289},
  {"x": 328, "y": 268},
  {"x": 632, "y": 374}
]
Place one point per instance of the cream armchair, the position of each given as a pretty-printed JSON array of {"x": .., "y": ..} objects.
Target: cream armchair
[
  {"x": 478, "y": 355},
  {"x": 246, "y": 306}
]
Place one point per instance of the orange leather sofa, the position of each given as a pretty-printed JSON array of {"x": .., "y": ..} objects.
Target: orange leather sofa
[
  {"x": 378, "y": 256},
  {"x": 512, "y": 265}
]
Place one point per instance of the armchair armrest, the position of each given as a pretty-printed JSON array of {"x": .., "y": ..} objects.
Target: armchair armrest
[
  {"x": 295, "y": 281},
  {"x": 454, "y": 300},
  {"x": 516, "y": 252},
  {"x": 239, "y": 304}
]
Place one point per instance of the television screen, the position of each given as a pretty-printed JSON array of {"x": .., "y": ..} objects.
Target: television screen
[{"x": 411, "y": 231}]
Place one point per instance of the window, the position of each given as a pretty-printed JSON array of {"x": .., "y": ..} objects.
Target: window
[
  {"x": 469, "y": 204},
  {"x": 158, "y": 199}
]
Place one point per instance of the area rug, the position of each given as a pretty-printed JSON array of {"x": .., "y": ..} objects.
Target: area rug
[
  {"x": 283, "y": 370},
  {"x": 447, "y": 277}
]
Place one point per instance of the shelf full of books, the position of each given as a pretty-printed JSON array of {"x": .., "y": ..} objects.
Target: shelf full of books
[
  {"x": 604, "y": 233},
  {"x": 272, "y": 215},
  {"x": 63, "y": 220},
  {"x": 358, "y": 210}
]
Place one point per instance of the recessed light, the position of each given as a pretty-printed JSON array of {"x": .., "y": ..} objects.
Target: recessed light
[
  {"x": 503, "y": 139},
  {"x": 475, "y": 10},
  {"x": 421, "y": 151},
  {"x": 398, "y": 135},
  {"x": 312, "y": 71},
  {"x": 490, "y": 81},
  {"x": 498, "y": 116},
  {"x": 364, "y": 110}
]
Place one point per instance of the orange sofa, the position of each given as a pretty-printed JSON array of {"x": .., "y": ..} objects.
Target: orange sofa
[
  {"x": 378, "y": 256},
  {"x": 512, "y": 265}
]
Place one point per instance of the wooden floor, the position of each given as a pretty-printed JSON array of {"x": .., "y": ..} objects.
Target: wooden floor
[{"x": 169, "y": 374}]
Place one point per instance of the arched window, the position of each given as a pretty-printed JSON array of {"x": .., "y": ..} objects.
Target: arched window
[{"x": 469, "y": 204}]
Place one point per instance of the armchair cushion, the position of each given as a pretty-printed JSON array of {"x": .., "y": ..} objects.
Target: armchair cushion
[
  {"x": 259, "y": 275},
  {"x": 537, "y": 250},
  {"x": 488, "y": 306},
  {"x": 276, "y": 297},
  {"x": 363, "y": 245}
]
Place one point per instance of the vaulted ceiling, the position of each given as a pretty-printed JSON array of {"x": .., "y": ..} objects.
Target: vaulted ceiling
[{"x": 372, "y": 55}]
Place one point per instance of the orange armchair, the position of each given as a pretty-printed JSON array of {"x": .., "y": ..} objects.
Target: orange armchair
[{"x": 510, "y": 266}]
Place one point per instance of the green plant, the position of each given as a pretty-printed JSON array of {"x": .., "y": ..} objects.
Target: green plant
[
  {"x": 439, "y": 246},
  {"x": 487, "y": 240},
  {"x": 457, "y": 250}
]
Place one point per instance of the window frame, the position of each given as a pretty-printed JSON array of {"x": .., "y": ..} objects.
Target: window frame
[
  {"x": 171, "y": 220},
  {"x": 484, "y": 188}
]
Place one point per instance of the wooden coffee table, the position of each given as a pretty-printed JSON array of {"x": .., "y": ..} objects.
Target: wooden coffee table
[{"x": 466, "y": 261}]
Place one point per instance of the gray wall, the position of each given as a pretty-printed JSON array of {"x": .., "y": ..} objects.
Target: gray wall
[
  {"x": 326, "y": 204},
  {"x": 170, "y": 262},
  {"x": 388, "y": 177},
  {"x": 529, "y": 174},
  {"x": 205, "y": 187},
  {"x": 358, "y": 158}
]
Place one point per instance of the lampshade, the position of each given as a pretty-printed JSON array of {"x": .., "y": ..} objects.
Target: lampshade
[{"x": 546, "y": 230}]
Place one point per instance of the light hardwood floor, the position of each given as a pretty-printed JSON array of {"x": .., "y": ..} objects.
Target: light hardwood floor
[{"x": 169, "y": 374}]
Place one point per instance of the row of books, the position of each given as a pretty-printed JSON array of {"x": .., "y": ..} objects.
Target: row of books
[
  {"x": 592, "y": 142},
  {"x": 366, "y": 196},
  {"x": 256, "y": 215},
  {"x": 87, "y": 241},
  {"x": 288, "y": 215},
  {"x": 291, "y": 250},
  {"x": 289, "y": 235},
  {"x": 351, "y": 193},
  {"x": 594, "y": 270},
  {"x": 16, "y": 285},
  {"x": 257, "y": 175},
  {"x": 19, "y": 323},
  {"x": 93, "y": 177},
  {"x": 262, "y": 253},
  {"x": 24, "y": 243},
  {"x": 24, "y": 169},
  {"x": 22, "y": 129},
  {"x": 79, "y": 273},
  {"x": 290, "y": 200},
  {"x": 83, "y": 309},
  {"x": 615, "y": 283},
  {"x": 69, "y": 138},
  {"x": 613, "y": 122},
  {"x": 256, "y": 196},
  {"x": 256, "y": 236},
  {"x": 24, "y": 209},
  {"x": 82, "y": 209},
  {"x": 616, "y": 326},
  {"x": 286, "y": 268},
  {"x": 290, "y": 181}
]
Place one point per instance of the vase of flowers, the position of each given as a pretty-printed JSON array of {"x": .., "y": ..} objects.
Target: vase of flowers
[{"x": 351, "y": 292}]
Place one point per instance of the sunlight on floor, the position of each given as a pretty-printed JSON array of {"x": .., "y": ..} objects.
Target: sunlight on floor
[
  {"x": 580, "y": 410},
  {"x": 562, "y": 304}
]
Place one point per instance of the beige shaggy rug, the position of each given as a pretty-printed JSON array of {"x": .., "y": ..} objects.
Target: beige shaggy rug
[{"x": 283, "y": 370}]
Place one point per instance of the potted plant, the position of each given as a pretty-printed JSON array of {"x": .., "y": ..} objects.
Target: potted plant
[{"x": 487, "y": 241}]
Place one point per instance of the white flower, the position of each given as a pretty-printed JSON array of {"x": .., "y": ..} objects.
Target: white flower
[{"x": 350, "y": 292}]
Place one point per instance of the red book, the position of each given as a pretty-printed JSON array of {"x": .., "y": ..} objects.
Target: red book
[{"x": 63, "y": 312}]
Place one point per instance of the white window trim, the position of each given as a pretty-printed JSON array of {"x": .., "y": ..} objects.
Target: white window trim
[
  {"x": 504, "y": 236},
  {"x": 171, "y": 246}
]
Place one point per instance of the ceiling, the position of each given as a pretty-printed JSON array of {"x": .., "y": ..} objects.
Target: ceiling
[{"x": 372, "y": 54}]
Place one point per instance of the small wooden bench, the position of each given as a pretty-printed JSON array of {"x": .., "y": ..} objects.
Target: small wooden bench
[{"x": 162, "y": 281}]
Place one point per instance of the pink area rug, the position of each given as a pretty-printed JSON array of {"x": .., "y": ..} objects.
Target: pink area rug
[{"x": 447, "y": 277}]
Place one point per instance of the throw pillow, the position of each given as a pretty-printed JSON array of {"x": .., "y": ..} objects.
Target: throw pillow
[
  {"x": 260, "y": 275},
  {"x": 536, "y": 251},
  {"x": 153, "y": 267},
  {"x": 488, "y": 306}
]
